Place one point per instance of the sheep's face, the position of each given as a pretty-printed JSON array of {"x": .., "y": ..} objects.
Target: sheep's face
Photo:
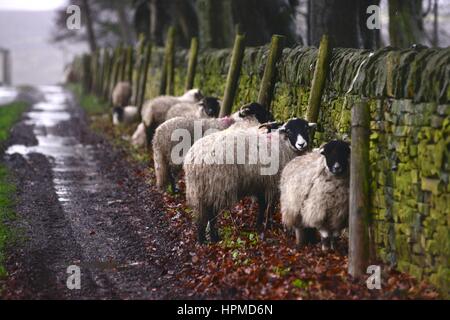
[
  {"x": 256, "y": 111},
  {"x": 337, "y": 155},
  {"x": 117, "y": 115},
  {"x": 297, "y": 131},
  {"x": 210, "y": 106}
]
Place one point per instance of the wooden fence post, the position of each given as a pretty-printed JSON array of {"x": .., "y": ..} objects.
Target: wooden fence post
[
  {"x": 123, "y": 65},
  {"x": 116, "y": 71},
  {"x": 171, "y": 63},
  {"x": 103, "y": 66},
  {"x": 129, "y": 65},
  {"x": 268, "y": 81},
  {"x": 138, "y": 65},
  {"x": 358, "y": 257},
  {"x": 233, "y": 75},
  {"x": 108, "y": 71},
  {"x": 95, "y": 71},
  {"x": 143, "y": 82},
  {"x": 319, "y": 78},
  {"x": 192, "y": 65},
  {"x": 86, "y": 73},
  {"x": 166, "y": 75}
]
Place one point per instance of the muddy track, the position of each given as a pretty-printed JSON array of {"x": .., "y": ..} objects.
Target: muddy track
[{"x": 79, "y": 202}]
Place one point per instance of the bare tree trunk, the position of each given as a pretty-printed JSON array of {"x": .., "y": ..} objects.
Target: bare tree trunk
[
  {"x": 153, "y": 7},
  {"x": 215, "y": 23},
  {"x": 435, "y": 41},
  {"x": 125, "y": 27},
  {"x": 90, "y": 27},
  {"x": 308, "y": 22},
  {"x": 370, "y": 39},
  {"x": 405, "y": 23},
  {"x": 338, "y": 19}
]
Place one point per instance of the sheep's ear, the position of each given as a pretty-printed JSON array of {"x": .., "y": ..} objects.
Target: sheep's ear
[
  {"x": 322, "y": 150},
  {"x": 312, "y": 125}
]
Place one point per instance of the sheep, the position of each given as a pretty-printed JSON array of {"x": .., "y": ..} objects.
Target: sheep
[
  {"x": 154, "y": 113},
  {"x": 216, "y": 180},
  {"x": 314, "y": 192},
  {"x": 190, "y": 129},
  {"x": 121, "y": 94},
  {"x": 128, "y": 114},
  {"x": 208, "y": 107}
]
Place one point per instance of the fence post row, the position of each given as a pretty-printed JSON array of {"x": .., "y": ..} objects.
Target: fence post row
[
  {"x": 266, "y": 89},
  {"x": 233, "y": 75}
]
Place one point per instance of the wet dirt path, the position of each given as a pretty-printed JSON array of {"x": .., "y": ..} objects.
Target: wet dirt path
[{"x": 80, "y": 203}]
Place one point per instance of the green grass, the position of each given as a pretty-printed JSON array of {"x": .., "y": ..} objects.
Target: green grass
[
  {"x": 7, "y": 191},
  {"x": 9, "y": 115},
  {"x": 89, "y": 102}
]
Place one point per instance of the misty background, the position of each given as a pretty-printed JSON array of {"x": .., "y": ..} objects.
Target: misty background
[{"x": 28, "y": 29}]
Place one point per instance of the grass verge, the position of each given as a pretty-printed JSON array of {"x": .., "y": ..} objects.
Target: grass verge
[
  {"x": 9, "y": 115},
  {"x": 90, "y": 103}
]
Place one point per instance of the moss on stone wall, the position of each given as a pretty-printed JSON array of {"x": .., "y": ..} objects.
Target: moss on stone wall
[{"x": 409, "y": 95}]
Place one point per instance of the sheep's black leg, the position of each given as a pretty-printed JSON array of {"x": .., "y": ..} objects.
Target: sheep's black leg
[
  {"x": 202, "y": 222},
  {"x": 262, "y": 209},
  {"x": 149, "y": 134},
  {"x": 269, "y": 215},
  {"x": 310, "y": 235},
  {"x": 299, "y": 237},
  {"x": 213, "y": 232},
  {"x": 173, "y": 183},
  {"x": 334, "y": 237}
]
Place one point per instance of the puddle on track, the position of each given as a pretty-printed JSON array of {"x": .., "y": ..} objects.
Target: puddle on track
[
  {"x": 7, "y": 95},
  {"x": 69, "y": 158}
]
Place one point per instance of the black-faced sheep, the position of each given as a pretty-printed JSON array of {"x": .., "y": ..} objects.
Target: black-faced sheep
[
  {"x": 154, "y": 111},
  {"x": 315, "y": 192},
  {"x": 208, "y": 107},
  {"x": 169, "y": 152},
  {"x": 224, "y": 167},
  {"x": 128, "y": 114},
  {"x": 121, "y": 94}
]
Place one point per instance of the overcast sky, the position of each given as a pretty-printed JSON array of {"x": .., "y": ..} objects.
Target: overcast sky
[{"x": 41, "y": 5}]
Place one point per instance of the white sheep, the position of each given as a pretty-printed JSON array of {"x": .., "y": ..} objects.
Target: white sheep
[
  {"x": 207, "y": 107},
  {"x": 128, "y": 114},
  {"x": 315, "y": 191},
  {"x": 167, "y": 135},
  {"x": 224, "y": 167},
  {"x": 121, "y": 94}
]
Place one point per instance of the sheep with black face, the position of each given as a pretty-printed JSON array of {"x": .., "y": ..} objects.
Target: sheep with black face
[
  {"x": 315, "y": 192},
  {"x": 217, "y": 180},
  {"x": 128, "y": 114},
  {"x": 165, "y": 139}
]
